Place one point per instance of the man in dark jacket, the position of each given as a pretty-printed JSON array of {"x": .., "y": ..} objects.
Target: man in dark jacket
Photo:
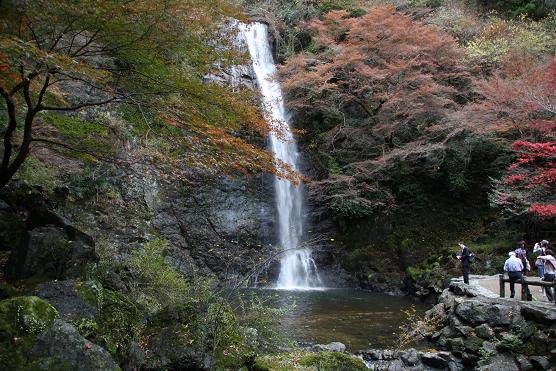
[{"x": 464, "y": 258}]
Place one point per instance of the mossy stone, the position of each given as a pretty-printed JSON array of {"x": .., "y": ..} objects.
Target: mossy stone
[
  {"x": 299, "y": 360},
  {"x": 333, "y": 361},
  {"x": 25, "y": 315},
  {"x": 88, "y": 292}
]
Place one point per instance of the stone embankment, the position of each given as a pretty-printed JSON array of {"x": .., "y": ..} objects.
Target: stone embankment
[{"x": 470, "y": 328}]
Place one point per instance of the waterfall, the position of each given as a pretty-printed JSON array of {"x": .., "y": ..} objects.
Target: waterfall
[{"x": 297, "y": 267}]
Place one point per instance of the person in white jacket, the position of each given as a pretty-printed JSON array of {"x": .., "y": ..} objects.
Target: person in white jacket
[{"x": 514, "y": 267}]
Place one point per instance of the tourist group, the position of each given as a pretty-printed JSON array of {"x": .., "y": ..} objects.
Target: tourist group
[{"x": 518, "y": 263}]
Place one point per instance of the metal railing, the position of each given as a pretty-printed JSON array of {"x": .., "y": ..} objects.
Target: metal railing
[{"x": 525, "y": 295}]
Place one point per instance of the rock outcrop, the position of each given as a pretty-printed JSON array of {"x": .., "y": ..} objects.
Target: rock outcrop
[
  {"x": 70, "y": 299},
  {"x": 48, "y": 247},
  {"x": 474, "y": 331},
  {"x": 61, "y": 346}
]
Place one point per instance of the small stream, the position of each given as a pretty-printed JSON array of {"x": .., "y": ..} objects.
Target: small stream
[{"x": 359, "y": 319}]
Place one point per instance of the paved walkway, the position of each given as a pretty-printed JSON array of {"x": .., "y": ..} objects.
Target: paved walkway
[{"x": 490, "y": 286}]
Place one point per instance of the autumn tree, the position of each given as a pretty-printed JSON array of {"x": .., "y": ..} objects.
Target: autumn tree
[
  {"x": 153, "y": 56},
  {"x": 378, "y": 87}
]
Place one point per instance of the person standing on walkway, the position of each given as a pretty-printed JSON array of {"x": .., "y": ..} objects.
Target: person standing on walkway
[
  {"x": 464, "y": 258},
  {"x": 514, "y": 267},
  {"x": 539, "y": 250},
  {"x": 521, "y": 253},
  {"x": 549, "y": 272}
]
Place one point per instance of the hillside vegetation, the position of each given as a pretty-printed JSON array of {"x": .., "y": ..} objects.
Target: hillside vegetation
[{"x": 434, "y": 119}]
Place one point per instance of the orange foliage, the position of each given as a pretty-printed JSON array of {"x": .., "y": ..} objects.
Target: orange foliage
[
  {"x": 515, "y": 96},
  {"x": 383, "y": 63},
  {"x": 381, "y": 85}
]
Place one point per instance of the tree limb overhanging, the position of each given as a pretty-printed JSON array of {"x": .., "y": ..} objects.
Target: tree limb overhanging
[{"x": 152, "y": 56}]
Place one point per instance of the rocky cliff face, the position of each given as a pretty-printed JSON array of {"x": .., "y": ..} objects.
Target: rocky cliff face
[{"x": 473, "y": 331}]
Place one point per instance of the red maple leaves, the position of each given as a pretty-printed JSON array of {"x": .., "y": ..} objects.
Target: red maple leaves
[{"x": 524, "y": 99}]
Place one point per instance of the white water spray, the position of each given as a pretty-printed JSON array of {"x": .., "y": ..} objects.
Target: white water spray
[{"x": 298, "y": 270}]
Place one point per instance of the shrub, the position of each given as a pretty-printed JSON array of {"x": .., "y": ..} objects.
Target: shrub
[
  {"x": 85, "y": 326},
  {"x": 154, "y": 284},
  {"x": 255, "y": 313},
  {"x": 501, "y": 39},
  {"x": 456, "y": 20},
  {"x": 35, "y": 173},
  {"x": 89, "y": 183},
  {"x": 200, "y": 315},
  {"x": 510, "y": 343},
  {"x": 427, "y": 3},
  {"x": 120, "y": 322},
  {"x": 534, "y": 8}
]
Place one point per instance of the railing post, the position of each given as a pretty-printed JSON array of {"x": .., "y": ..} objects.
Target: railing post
[
  {"x": 523, "y": 289},
  {"x": 554, "y": 290},
  {"x": 502, "y": 286}
]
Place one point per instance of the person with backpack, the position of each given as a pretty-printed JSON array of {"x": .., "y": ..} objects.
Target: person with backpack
[
  {"x": 464, "y": 257},
  {"x": 521, "y": 254},
  {"x": 549, "y": 272},
  {"x": 514, "y": 267}
]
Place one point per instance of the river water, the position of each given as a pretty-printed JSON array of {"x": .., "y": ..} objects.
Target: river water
[{"x": 359, "y": 319}]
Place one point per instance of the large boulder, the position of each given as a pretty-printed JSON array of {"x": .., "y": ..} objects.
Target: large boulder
[
  {"x": 477, "y": 312},
  {"x": 540, "y": 363},
  {"x": 12, "y": 228},
  {"x": 484, "y": 331},
  {"x": 74, "y": 300},
  {"x": 474, "y": 312},
  {"x": 61, "y": 346},
  {"x": 42, "y": 255},
  {"x": 166, "y": 351},
  {"x": 438, "y": 360},
  {"x": 51, "y": 252},
  {"x": 410, "y": 357},
  {"x": 499, "y": 362},
  {"x": 461, "y": 289},
  {"x": 331, "y": 347},
  {"x": 544, "y": 315}
]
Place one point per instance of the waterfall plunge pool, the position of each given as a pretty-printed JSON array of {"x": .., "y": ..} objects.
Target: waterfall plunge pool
[{"x": 359, "y": 319}]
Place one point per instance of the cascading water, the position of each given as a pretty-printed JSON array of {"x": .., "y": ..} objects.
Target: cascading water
[{"x": 297, "y": 267}]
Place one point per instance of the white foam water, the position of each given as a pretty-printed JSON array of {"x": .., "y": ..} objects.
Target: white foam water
[{"x": 298, "y": 270}]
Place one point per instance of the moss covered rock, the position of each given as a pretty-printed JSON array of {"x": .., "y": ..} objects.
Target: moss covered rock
[
  {"x": 25, "y": 315},
  {"x": 322, "y": 361},
  {"x": 74, "y": 300}
]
